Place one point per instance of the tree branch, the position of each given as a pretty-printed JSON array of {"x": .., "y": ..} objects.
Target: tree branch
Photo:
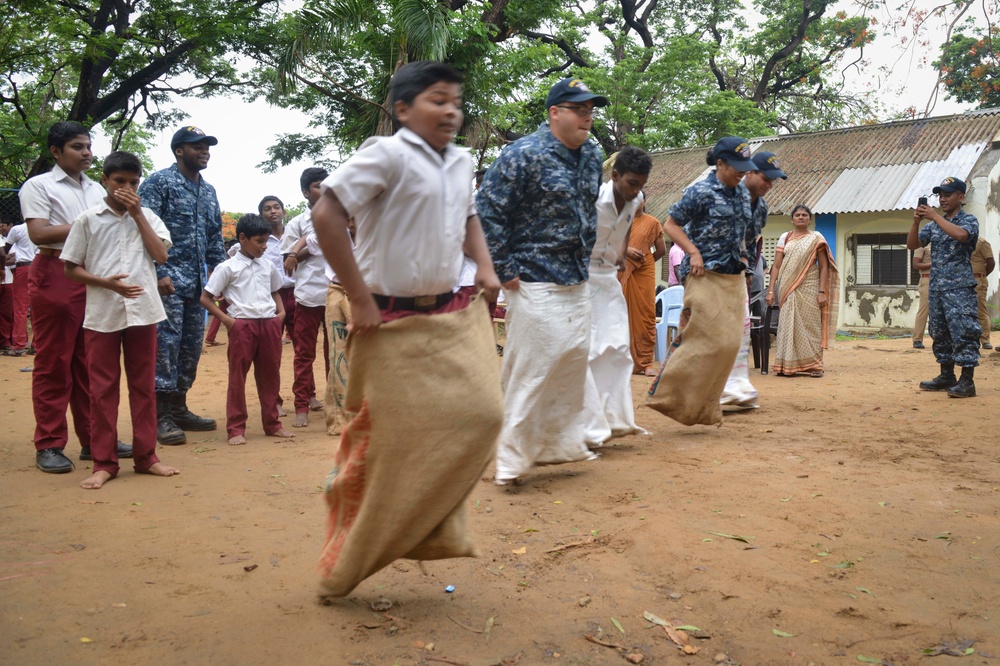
[
  {"x": 574, "y": 56},
  {"x": 787, "y": 49}
]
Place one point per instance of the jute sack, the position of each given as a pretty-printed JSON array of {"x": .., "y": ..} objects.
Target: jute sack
[
  {"x": 425, "y": 391},
  {"x": 692, "y": 378}
]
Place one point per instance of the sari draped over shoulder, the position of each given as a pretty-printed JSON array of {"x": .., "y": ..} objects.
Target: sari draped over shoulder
[
  {"x": 805, "y": 328},
  {"x": 639, "y": 286}
]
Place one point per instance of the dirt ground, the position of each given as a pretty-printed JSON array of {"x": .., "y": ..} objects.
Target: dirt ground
[{"x": 868, "y": 512}]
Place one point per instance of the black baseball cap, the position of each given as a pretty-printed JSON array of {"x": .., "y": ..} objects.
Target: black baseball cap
[
  {"x": 191, "y": 134},
  {"x": 572, "y": 90},
  {"x": 736, "y": 152},
  {"x": 950, "y": 185},
  {"x": 767, "y": 163}
]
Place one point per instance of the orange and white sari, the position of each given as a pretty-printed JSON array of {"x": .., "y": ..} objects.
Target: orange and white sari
[{"x": 805, "y": 328}]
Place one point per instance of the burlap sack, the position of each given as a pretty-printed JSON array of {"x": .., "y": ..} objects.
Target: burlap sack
[
  {"x": 694, "y": 375},
  {"x": 425, "y": 391}
]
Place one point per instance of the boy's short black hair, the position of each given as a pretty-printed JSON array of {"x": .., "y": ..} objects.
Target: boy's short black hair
[
  {"x": 63, "y": 131},
  {"x": 120, "y": 160},
  {"x": 633, "y": 160},
  {"x": 415, "y": 77},
  {"x": 251, "y": 225},
  {"x": 269, "y": 197},
  {"x": 310, "y": 176}
]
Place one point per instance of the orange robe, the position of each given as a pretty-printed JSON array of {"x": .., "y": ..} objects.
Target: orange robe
[{"x": 639, "y": 286}]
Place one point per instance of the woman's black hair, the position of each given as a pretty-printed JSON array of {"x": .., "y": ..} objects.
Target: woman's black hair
[
  {"x": 801, "y": 207},
  {"x": 710, "y": 158}
]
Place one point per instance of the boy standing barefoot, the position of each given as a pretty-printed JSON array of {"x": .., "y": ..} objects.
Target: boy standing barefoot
[
  {"x": 251, "y": 285},
  {"x": 119, "y": 240}
]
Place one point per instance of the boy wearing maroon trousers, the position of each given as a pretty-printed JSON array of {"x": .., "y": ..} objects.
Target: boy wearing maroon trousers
[
  {"x": 111, "y": 249},
  {"x": 49, "y": 204},
  {"x": 251, "y": 285}
]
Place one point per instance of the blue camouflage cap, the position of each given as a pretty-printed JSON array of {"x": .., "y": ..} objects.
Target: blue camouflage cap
[
  {"x": 767, "y": 163},
  {"x": 735, "y": 151}
]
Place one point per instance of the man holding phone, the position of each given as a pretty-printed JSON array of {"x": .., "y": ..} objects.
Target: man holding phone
[{"x": 954, "y": 325}]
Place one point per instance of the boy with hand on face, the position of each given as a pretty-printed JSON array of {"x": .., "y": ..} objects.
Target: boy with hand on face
[
  {"x": 952, "y": 305},
  {"x": 310, "y": 300},
  {"x": 251, "y": 285},
  {"x": 112, "y": 249}
]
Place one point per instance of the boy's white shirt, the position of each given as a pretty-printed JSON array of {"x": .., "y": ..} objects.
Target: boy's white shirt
[
  {"x": 56, "y": 197},
  {"x": 611, "y": 226},
  {"x": 273, "y": 254},
  {"x": 410, "y": 206},
  {"x": 248, "y": 284},
  {"x": 21, "y": 245},
  {"x": 310, "y": 274},
  {"x": 107, "y": 244}
]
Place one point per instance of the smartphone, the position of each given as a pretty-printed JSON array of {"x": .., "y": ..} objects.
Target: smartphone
[{"x": 922, "y": 201}]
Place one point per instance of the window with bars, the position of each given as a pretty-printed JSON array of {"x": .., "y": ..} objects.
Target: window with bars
[{"x": 882, "y": 260}]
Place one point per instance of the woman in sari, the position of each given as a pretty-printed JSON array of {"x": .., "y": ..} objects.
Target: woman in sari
[
  {"x": 808, "y": 291},
  {"x": 639, "y": 286}
]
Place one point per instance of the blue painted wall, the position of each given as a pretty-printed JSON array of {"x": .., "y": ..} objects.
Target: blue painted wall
[{"x": 826, "y": 224}]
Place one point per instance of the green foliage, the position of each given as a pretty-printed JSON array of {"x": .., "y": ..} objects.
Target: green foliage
[
  {"x": 970, "y": 68},
  {"x": 105, "y": 62}
]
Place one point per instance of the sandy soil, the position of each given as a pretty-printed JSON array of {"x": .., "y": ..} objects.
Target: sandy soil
[{"x": 869, "y": 511}]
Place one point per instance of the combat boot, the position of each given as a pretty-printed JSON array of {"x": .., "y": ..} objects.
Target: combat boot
[
  {"x": 942, "y": 382},
  {"x": 965, "y": 388},
  {"x": 185, "y": 419},
  {"x": 167, "y": 432}
]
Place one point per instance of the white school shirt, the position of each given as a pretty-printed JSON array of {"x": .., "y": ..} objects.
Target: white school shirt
[
  {"x": 248, "y": 284},
  {"x": 410, "y": 205},
  {"x": 611, "y": 226},
  {"x": 56, "y": 197},
  {"x": 107, "y": 244},
  {"x": 8, "y": 274},
  {"x": 467, "y": 277},
  {"x": 310, "y": 274},
  {"x": 273, "y": 254},
  {"x": 312, "y": 244},
  {"x": 20, "y": 245}
]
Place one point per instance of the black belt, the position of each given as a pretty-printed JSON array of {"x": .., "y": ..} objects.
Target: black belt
[
  {"x": 420, "y": 303},
  {"x": 22, "y": 264}
]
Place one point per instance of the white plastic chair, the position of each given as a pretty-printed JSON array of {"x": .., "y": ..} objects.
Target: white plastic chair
[{"x": 671, "y": 301}]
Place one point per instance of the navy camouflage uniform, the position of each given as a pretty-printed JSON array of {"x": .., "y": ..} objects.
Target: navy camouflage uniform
[
  {"x": 192, "y": 214},
  {"x": 538, "y": 207},
  {"x": 716, "y": 219},
  {"x": 758, "y": 220},
  {"x": 952, "y": 304}
]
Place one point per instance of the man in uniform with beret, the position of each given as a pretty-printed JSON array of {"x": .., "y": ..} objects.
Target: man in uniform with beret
[
  {"x": 954, "y": 325},
  {"x": 189, "y": 208}
]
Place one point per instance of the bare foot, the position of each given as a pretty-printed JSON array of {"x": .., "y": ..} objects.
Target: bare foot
[
  {"x": 159, "y": 469},
  {"x": 282, "y": 433},
  {"x": 239, "y": 440},
  {"x": 214, "y": 343},
  {"x": 95, "y": 480},
  {"x": 281, "y": 412},
  {"x": 651, "y": 372},
  {"x": 301, "y": 420},
  {"x": 315, "y": 405}
]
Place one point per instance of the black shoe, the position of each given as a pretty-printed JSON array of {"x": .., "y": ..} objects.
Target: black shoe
[
  {"x": 987, "y": 345},
  {"x": 917, "y": 344},
  {"x": 53, "y": 461},
  {"x": 942, "y": 382},
  {"x": 124, "y": 451},
  {"x": 167, "y": 432},
  {"x": 186, "y": 419},
  {"x": 965, "y": 388}
]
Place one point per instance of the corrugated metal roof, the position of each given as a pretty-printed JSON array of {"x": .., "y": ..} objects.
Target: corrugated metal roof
[{"x": 856, "y": 169}]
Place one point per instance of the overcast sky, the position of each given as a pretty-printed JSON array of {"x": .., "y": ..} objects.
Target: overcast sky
[{"x": 245, "y": 130}]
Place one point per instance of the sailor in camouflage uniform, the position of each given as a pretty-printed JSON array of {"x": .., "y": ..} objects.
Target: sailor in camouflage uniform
[
  {"x": 189, "y": 208},
  {"x": 952, "y": 290},
  {"x": 537, "y": 204}
]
